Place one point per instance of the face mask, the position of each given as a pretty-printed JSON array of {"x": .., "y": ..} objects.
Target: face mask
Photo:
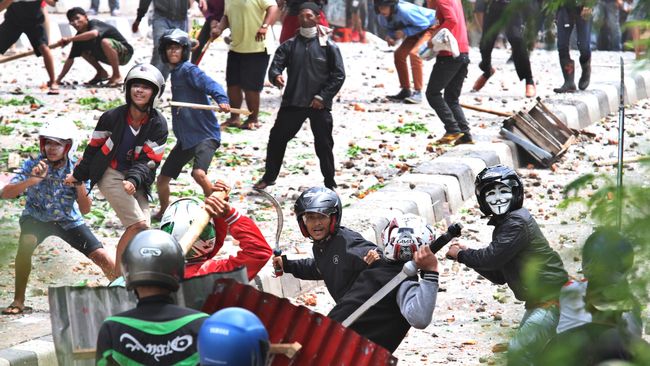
[
  {"x": 308, "y": 32},
  {"x": 499, "y": 198}
]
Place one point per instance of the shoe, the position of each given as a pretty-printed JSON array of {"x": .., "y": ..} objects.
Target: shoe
[
  {"x": 262, "y": 184},
  {"x": 415, "y": 98},
  {"x": 568, "y": 71},
  {"x": 115, "y": 12},
  {"x": 91, "y": 11},
  {"x": 449, "y": 138},
  {"x": 531, "y": 91},
  {"x": 465, "y": 140},
  {"x": 403, "y": 94},
  {"x": 480, "y": 82},
  {"x": 585, "y": 77}
]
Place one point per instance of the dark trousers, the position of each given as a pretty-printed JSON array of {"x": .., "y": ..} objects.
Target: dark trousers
[
  {"x": 286, "y": 126},
  {"x": 514, "y": 28},
  {"x": 568, "y": 18},
  {"x": 449, "y": 74}
]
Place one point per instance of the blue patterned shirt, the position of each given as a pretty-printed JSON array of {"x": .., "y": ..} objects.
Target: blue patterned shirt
[{"x": 51, "y": 200}]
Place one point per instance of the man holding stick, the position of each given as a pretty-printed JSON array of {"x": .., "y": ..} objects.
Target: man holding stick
[
  {"x": 197, "y": 130},
  {"x": 26, "y": 16}
]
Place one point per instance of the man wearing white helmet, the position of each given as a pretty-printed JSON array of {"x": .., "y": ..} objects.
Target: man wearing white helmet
[
  {"x": 51, "y": 207},
  {"x": 126, "y": 147},
  {"x": 411, "y": 304}
]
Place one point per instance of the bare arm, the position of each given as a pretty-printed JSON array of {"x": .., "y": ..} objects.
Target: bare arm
[
  {"x": 5, "y": 4},
  {"x": 64, "y": 71},
  {"x": 14, "y": 190},
  {"x": 83, "y": 199}
]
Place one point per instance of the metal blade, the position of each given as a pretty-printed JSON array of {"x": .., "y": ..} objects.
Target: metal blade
[
  {"x": 388, "y": 287},
  {"x": 278, "y": 210}
]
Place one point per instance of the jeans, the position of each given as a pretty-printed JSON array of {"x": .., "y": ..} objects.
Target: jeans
[
  {"x": 609, "y": 38},
  {"x": 286, "y": 126},
  {"x": 160, "y": 26},
  {"x": 537, "y": 328},
  {"x": 514, "y": 28},
  {"x": 112, "y": 4},
  {"x": 449, "y": 74},
  {"x": 567, "y": 18}
]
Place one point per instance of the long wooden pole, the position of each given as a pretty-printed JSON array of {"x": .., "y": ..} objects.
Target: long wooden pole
[
  {"x": 198, "y": 224},
  {"x": 485, "y": 110},
  {"x": 173, "y": 103},
  {"x": 24, "y": 54}
]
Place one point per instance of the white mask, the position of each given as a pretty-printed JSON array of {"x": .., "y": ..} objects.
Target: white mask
[
  {"x": 310, "y": 32},
  {"x": 499, "y": 198}
]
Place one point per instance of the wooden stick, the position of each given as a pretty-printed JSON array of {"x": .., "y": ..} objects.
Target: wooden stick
[
  {"x": 195, "y": 230},
  {"x": 287, "y": 349},
  {"x": 485, "y": 110},
  {"x": 173, "y": 103},
  {"x": 24, "y": 54},
  {"x": 205, "y": 48}
]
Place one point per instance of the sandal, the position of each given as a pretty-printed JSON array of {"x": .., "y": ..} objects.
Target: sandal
[
  {"x": 16, "y": 310},
  {"x": 262, "y": 184},
  {"x": 96, "y": 80},
  {"x": 53, "y": 91}
]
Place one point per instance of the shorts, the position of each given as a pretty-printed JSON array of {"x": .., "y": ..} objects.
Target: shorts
[
  {"x": 80, "y": 237},
  {"x": 129, "y": 209},
  {"x": 10, "y": 33},
  {"x": 247, "y": 70},
  {"x": 123, "y": 54},
  {"x": 201, "y": 153}
]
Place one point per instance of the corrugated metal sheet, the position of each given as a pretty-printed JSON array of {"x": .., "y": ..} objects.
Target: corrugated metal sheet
[
  {"x": 77, "y": 313},
  {"x": 324, "y": 341}
]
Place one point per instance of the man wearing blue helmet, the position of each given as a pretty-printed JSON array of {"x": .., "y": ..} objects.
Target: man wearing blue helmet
[
  {"x": 233, "y": 337},
  {"x": 519, "y": 256}
]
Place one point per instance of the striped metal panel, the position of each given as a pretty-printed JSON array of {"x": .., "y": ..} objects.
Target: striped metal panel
[{"x": 324, "y": 341}]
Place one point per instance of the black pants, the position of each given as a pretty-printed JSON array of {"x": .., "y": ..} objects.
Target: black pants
[
  {"x": 449, "y": 74},
  {"x": 500, "y": 15},
  {"x": 286, "y": 126}
]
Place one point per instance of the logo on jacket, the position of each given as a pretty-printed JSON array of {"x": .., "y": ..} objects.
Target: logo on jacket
[
  {"x": 178, "y": 344},
  {"x": 335, "y": 259}
]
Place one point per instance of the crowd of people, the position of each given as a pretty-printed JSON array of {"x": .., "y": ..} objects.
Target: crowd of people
[{"x": 128, "y": 145}]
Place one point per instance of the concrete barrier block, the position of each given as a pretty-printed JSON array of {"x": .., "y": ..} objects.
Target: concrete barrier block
[
  {"x": 612, "y": 94},
  {"x": 642, "y": 84},
  {"x": 435, "y": 191},
  {"x": 630, "y": 90},
  {"x": 475, "y": 164},
  {"x": 122, "y": 26},
  {"x": 488, "y": 157},
  {"x": 402, "y": 205},
  {"x": 450, "y": 183},
  {"x": 66, "y": 30},
  {"x": 290, "y": 285},
  {"x": 506, "y": 155},
  {"x": 268, "y": 283},
  {"x": 421, "y": 200},
  {"x": 593, "y": 108},
  {"x": 571, "y": 113},
  {"x": 462, "y": 172}
]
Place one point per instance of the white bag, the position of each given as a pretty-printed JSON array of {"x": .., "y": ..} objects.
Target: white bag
[{"x": 442, "y": 41}]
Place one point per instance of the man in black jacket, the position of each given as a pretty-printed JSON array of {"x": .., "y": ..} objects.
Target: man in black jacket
[
  {"x": 340, "y": 254},
  {"x": 124, "y": 151},
  {"x": 519, "y": 256},
  {"x": 315, "y": 74}
]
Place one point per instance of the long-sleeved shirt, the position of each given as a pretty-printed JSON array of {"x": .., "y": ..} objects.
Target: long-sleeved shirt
[
  {"x": 191, "y": 126},
  {"x": 313, "y": 70},
  {"x": 170, "y": 9},
  {"x": 409, "y": 18},
  {"x": 254, "y": 250},
  {"x": 450, "y": 15}
]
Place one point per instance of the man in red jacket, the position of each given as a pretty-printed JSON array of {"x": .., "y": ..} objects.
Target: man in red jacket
[
  {"x": 449, "y": 73},
  {"x": 254, "y": 250}
]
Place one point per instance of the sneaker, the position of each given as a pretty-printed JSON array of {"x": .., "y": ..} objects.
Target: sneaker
[
  {"x": 415, "y": 98},
  {"x": 465, "y": 140},
  {"x": 115, "y": 12},
  {"x": 449, "y": 138},
  {"x": 91, "y": 11},
  {"x": 403, "y": 94}
]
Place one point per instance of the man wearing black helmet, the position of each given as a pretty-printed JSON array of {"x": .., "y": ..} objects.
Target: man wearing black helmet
[
  {"x": 340, "y": 254},
  {"x": 519, "y": 256},
  {"x": 157, "y": 332},
  {"x": 124, "y": 151}
]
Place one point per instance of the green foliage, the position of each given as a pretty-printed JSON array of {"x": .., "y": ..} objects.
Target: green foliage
[
  {"x": 98, "y": 103},
  {"x": 354, "y": 151},
  {"x": 6, "y": 130},
  {"x": 27, "y": 100},
  {"x": 411, "y": 127}
]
